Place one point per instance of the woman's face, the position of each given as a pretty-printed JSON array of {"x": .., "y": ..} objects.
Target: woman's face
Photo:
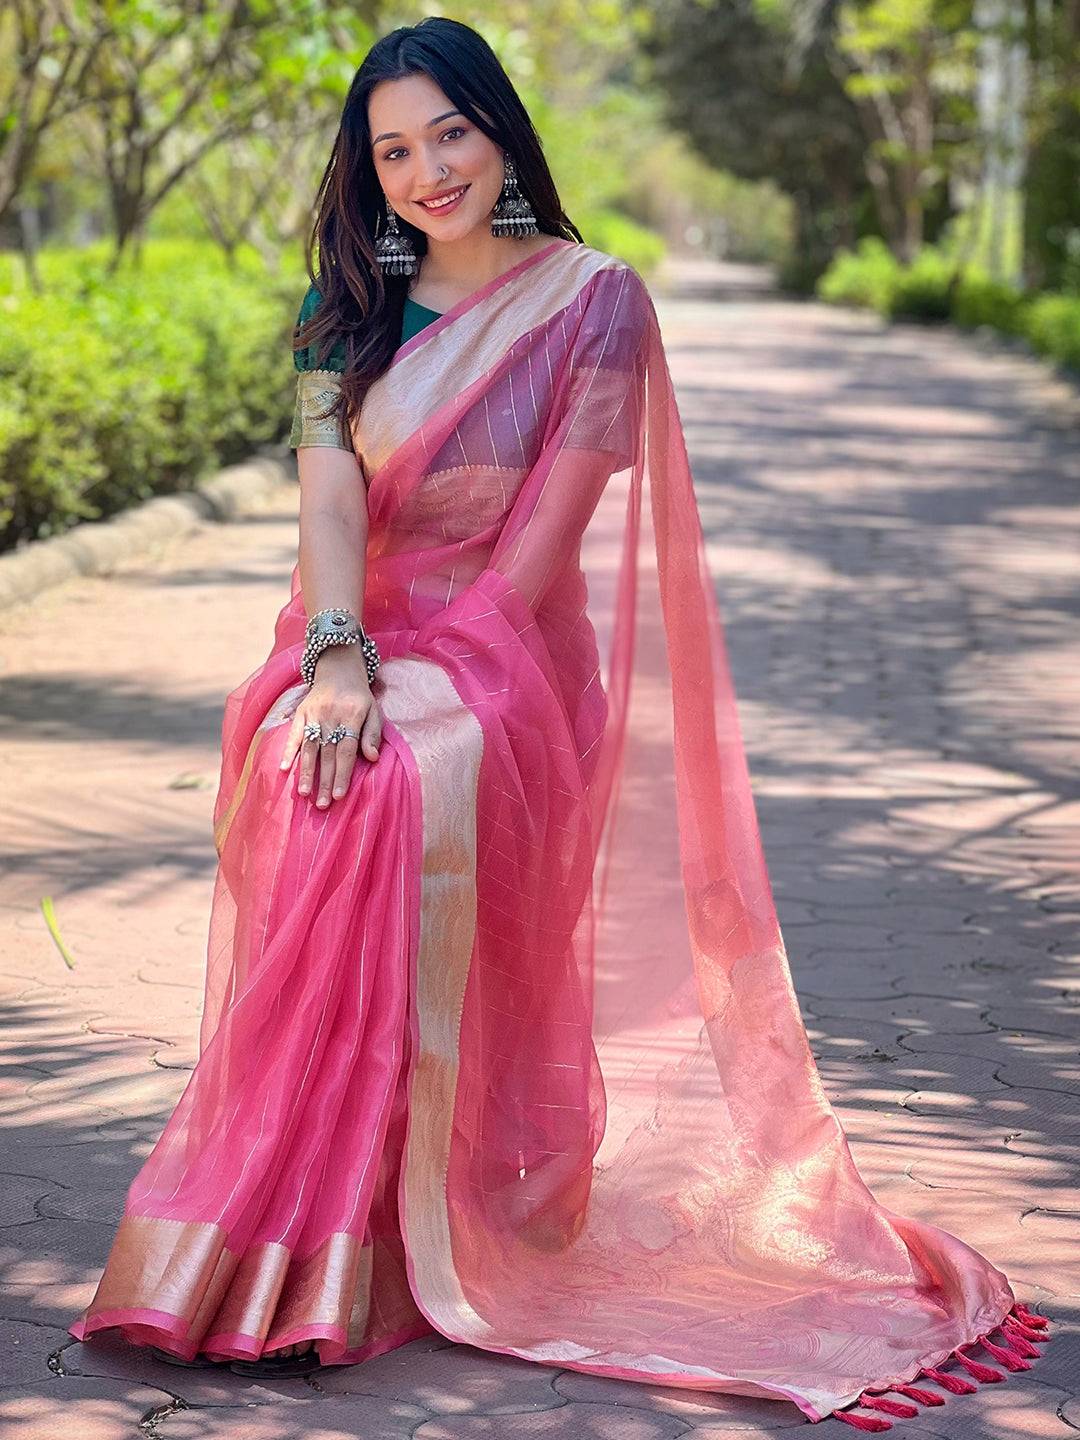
[{"x": 414, "y": 158}]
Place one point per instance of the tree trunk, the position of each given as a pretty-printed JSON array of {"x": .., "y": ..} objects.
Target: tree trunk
[
  {"x": 1002, "y": 91},
  {"x": 29, "y": 240}
]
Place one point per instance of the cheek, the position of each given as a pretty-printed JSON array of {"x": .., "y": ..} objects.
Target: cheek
[
  {"x": 393, "y": 180},
  {"x": 475, "y": 159}
]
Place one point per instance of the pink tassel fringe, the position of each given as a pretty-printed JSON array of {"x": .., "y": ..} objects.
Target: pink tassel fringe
[
  {"x": 1019, "y": 1329},
  {"x": 924, "y": 1397},
  {"x": 952, "y": 1383},
  {"x": 985, "y": 1373},
  {"x": 1007, "y": 1356},
  {"x": 890, "y": 1407}
]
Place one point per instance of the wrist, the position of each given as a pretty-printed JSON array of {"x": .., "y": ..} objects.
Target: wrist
[
  {"x": 342, "y": 657},
  {"x": 333, "y": 628}
]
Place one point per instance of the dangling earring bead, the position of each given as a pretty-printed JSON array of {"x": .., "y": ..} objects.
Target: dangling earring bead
[
  {"x": 513, "y": 215},
  {"x": 393, "y": 250}
]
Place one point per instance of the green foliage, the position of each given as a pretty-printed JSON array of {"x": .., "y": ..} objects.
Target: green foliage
[
  {"x": 923, "y": 289},
  {"x": 871, "y": 276},
  {"x": 121, "y": 387},
  {"x": 1052, "y": 196},
  {"x": 616, "y": 234},
  {"x": 865, "y": 276},
  {"x": 1052, "y": 324},
  {"x": 674, "y": 191},
  {"x": 980, "y": 300},
  {"x": 987, "y": 236},
  {"x": 930, "y": 289},
  {"x": 756, "y": 91}
]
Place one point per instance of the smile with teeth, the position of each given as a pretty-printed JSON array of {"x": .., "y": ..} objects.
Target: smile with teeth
[{"x": 443, "y": 199}]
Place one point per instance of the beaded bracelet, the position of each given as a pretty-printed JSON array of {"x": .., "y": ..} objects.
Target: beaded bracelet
[{"x": 336, "y": 626}]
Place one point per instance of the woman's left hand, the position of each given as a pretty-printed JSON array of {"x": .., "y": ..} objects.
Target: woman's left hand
[{"x": 340, "y": 695}]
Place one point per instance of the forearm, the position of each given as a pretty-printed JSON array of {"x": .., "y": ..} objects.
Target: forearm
[
  {"x": 332, "y": 563},
  {"x": 333, "y": 530}
]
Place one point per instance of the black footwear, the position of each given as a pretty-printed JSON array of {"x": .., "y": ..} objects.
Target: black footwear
[
  {"x": 200, "y": 1362},
  {"x": 278, "y": 1364}
]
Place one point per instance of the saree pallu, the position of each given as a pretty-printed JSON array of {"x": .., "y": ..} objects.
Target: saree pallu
[{"x": 504, "y": 1043}]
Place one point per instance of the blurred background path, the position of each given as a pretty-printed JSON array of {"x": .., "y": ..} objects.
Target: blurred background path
[{"x": 893, "y": 518}]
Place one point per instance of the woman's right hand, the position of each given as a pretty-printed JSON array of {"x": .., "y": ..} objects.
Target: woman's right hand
[{"x": 340, "y": 695}]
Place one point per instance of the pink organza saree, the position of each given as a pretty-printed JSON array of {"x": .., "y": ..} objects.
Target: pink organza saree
[{"x": 504, "y": 1044}]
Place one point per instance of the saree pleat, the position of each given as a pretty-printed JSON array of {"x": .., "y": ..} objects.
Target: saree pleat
[{"x": 504, "y": 1044}]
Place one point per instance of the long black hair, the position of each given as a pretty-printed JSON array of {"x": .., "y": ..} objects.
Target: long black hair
[{"x": 361, "y": 308}]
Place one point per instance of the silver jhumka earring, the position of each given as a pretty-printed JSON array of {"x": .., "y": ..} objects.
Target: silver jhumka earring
[
  {"x": 513, "y": 215},
  {"x": 394, "y": 250}
]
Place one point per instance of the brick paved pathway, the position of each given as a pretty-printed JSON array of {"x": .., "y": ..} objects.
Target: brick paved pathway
[{"x": 894, "y": 520}]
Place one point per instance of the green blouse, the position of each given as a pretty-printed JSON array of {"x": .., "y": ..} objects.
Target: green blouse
[
  {"x": 415, "y": 318},
  {"x": 316, "y": 388}
]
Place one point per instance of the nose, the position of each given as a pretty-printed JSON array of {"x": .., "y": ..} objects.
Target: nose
[{"x": 433, "y": 173}]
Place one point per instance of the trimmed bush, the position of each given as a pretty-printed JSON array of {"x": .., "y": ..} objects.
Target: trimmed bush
[
  {"x": 865, "y": 276},
  {"x": 1052, "y": 324},
  {"x": 923, "y": 289},
  {"x": 929, "y": 290},
  {"x": 978, "y": 300},
  {"x": 118, "y": 387}
]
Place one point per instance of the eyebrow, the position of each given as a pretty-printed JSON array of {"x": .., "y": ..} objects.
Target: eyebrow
[{"x": 396, "y": 134}]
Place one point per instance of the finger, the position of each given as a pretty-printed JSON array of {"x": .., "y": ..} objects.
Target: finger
[
  {"x": 309, "y": 753},
  {"x": 344, "y": 762},
  {"x": 371, "y": 733},
  {"x": 326, "y": 772},
  {"x": 292, "y": 741}
]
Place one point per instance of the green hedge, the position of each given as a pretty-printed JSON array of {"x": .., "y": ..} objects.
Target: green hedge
[
  {"x": 120, "y": 387},
  {"x": 923, "y": 289},
  {"x": 929, "y": 289},
  {"x": 865, "y": 276},
  {"x": 1052, "y": 324}
]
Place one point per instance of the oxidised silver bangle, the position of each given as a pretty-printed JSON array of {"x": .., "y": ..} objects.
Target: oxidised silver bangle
[{"x": 336, "y": 626}]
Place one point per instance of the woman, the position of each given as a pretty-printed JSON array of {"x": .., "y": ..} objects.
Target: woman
[{"x": 499, "y": 1036}]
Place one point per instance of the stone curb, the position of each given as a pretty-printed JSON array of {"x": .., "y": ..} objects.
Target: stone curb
[{"x": 94, "y": 547}]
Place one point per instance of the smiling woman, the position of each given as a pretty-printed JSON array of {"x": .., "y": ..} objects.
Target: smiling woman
[
  {"x": 499, "y": 1037},
  {"x": 447, "y": 169}
]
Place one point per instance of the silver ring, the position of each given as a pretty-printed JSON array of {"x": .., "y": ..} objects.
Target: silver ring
[{"x": 313, "y": 731}]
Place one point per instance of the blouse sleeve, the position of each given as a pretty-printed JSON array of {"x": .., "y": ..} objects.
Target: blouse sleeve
[{"x": 317, "y": 387}]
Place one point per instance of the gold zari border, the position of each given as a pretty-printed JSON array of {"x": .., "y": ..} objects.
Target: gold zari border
[
  {"x": 447, "y": 742},
  {"x": 184, "y": 1268}
]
